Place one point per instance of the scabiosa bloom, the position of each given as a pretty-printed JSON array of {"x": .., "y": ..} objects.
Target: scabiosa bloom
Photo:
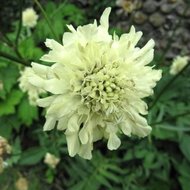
[
  {"x": 5, "y": 148},
  {"x": 97, "y": 85},
  {"x": 129, "y": 5},
  {"x": 29, "y": 18},
  {"x": 22, "y": 184},
  {"x": 25, "y": 86},
  {"x": 178, "y": 64},
  {"x": 51, "y": 160}
]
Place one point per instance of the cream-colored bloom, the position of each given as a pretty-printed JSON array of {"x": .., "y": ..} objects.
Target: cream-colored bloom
[
  {"x": 29, "y": 17},
  {"x": 25, "y": 86},
  {"x": 5, "y": 148},
  {"x": 129, "y": 5},
  {"x": 51, "y": 160},
  {"x": 21, "y": 184},
  {"x": 98, "y": 83},
  {"x": 178, "y": 64}
]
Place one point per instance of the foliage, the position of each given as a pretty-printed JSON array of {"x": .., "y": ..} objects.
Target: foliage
[{"x": 161, "y": 161}]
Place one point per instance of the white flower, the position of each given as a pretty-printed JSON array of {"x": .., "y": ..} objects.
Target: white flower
[
  {"x": 178, "y": 64},
  {"x": 21, "y": 184},
  {"x": 5, "y": 148},
  {"x": 51, "y": 160},
  {"x": 128, "y": 5},
  {"x": 25, "y": 86},
  {"x": 29, "y": 17},
  {"x": 98, "y": 83}
]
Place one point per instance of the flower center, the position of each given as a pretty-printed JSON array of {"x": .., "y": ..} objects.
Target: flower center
[{"x": 102, "y": 87}]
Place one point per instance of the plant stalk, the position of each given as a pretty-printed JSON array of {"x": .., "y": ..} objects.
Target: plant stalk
[
  {"x": 12, "y": 58},
  {"x": 46, "y": 18},
  {"x": 20, "y": 24}
]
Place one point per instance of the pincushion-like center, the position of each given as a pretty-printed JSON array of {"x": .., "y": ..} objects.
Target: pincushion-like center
[{"x": 102, "y": 87}]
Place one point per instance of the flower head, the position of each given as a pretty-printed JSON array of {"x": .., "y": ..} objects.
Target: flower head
[
  {"x": 25, "y": 86},
  {"x": 5, "y": 148},
  {"x": 21, "y": 184},
  {"x": 29, "y": 17},
  {"x": 178, "y": 64},
  {"x": 51, "y": 160},
  {"x": 128, "y": 5},
  {"x": 98, "y": 83}
]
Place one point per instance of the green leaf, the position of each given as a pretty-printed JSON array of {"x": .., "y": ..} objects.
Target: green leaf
[
  {"x": 5, "y": 128},
  {"x": 7, "y": 124},
  {"x": 184, "y": 168},
  {"x": 185, "y": 146},
  {"x": 26, "y": 112},
  {"x": 165, "y": 132},
  {"x": 185, "y": 183},
  {"x": 29, "y": 50},
  {"x": 102, "y": 180},
  {"x": 32, "y": 156},
  {"x": 8, "y": 106},
  {"x": 109, "y": 175},
  {"x": 8, "y": 76},
  {"x": 15, "y": 152},
  {"x": 184, "y": 178}
]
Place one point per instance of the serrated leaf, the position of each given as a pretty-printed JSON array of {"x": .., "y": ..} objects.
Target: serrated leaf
[
  {"x": 7, "y": 124},
  {"x": 163, "y": 133},
  {"x": 109, "y": 175},
  {"x": 26, "y": 112},
  {"x": 8, "y": 76},
  {"x": 8, "y": 106},
  {"x": 32, "y": 156},
  {"x": 5, "y": 128},
  {"x": 29, "y": 50},
  {"x": 102, "y": 180}
]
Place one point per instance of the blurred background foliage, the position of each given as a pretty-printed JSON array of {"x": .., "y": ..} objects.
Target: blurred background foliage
[{"x": 161, "y": 161}]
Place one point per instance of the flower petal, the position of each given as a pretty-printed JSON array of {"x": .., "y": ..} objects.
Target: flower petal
[
  {"x": 73, "y": 125},
  {"x": 49, "y": 124},
  {"x": 83, "y": 135},
  {"x": 113, "y": 142},
  {"x": 45, "y": 102},
  {"x": 62, "y": 124},
  {"x": 86, "y": 151},
  {"x": 73, "y": 144},
  {"x": 104, "y": 20},
  {"x": 141, "y": 131}
]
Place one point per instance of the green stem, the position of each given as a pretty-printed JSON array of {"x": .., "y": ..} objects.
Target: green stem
[
  {"x": 6, "y": 40},
  {"x": 20, "y": 24},
  {"x": 166, "y": 87},
  {"x": 46, "y": 18},
  {"x": 12, "y": 58},
  {"x": 58, "y": 9},
  {"x": 15, "y": 46}
]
